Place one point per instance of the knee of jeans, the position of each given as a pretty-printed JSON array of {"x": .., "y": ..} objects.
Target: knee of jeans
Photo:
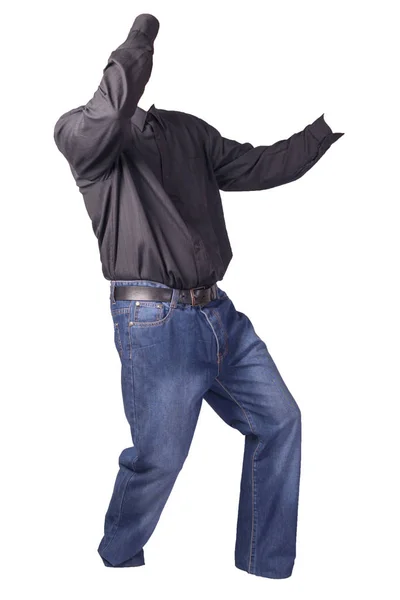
[
  {"x": 289, "y": 418},
  {"x": 128, "y": 457},
  {"x": 294, "y": 414},
  {"x": 168, "y": 464}
]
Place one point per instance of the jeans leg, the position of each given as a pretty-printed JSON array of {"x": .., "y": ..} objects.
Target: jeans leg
[
  {"x": 250, "y": 395},
  {"x": 164, "y": 377}
]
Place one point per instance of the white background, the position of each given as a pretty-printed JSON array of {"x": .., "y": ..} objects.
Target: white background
[{"x": 320, "y": 254}]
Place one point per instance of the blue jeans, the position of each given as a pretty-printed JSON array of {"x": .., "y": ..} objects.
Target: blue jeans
[{"x": 172, "y": 356}]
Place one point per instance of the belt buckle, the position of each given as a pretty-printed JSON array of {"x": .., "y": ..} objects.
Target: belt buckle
[{"x": 192, "y": 290}]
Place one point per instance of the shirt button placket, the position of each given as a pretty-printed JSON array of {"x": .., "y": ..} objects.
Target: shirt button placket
[{"x": 162, "y": 147}]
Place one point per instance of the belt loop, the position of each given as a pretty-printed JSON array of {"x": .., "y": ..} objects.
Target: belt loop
[
  {"x": 112, "y": 295},
  {"x": 174, "y": 297}
]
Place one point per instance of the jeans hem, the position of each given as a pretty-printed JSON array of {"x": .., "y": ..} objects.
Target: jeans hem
[
  {"x": 262, "y": 573},
  {"x": 132, "y": 562}
]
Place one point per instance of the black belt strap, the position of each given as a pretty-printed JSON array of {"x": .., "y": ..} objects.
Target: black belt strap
[{"x": 193, "y": 296}]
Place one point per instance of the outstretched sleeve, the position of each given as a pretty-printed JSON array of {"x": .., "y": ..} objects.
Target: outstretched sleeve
[
  {"x": 243, "y": 167},
  {"x": 92, "y": 136}
]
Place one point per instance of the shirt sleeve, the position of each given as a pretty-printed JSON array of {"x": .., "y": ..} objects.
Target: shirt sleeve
[
  {"x": 243, "y": 167},
  {"x": 93, "y": 135}
]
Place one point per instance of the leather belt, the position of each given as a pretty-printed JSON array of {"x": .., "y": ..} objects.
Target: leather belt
[{"x": 193, "y": 296}]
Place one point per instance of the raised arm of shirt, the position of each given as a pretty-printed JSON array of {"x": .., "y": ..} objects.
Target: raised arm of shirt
[
  {"x": 92, "y": 136},
  {"x": 243, "y": 167}
]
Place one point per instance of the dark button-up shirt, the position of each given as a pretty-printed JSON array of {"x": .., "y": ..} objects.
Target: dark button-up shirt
[{"x": 151, "y": 180}]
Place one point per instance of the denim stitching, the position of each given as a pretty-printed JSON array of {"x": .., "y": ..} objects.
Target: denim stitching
[
  {"x": 253, "y": 485},
  {"x": 120, "y": 311},
  {"x": 118, "y": 340},
  {"x": 216, "y": 337},
  {"x": 223, "y": 331},
  {"x": 119, "y": 515},
  {"x": 113, "y": 533},
  {"x": 138, "y": 307},
  {"x": 254, "y": 520},
  {"x": 154, "y": 323},
  {"x": 239, "y": 405},
  {"x": 133, "y": 402},
  {"x": 170, "y": 312}
]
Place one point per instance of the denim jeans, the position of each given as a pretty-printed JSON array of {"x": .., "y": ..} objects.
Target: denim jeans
[{"x": 172, "y": 356}]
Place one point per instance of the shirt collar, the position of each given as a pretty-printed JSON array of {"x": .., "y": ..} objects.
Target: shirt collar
[{"x": 140, "y": 115}]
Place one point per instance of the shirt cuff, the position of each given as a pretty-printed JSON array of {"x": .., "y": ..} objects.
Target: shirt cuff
[
  {"x": 147, "y": 24},
  {"x": 321, "y": 130}
]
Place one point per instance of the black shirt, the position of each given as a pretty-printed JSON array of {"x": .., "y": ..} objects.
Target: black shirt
[{"x": 151, "y": 180}]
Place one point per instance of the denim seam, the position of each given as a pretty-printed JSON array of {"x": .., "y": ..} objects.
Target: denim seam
[
  {"x": 120, "y": 311},
  {"x": 135, "y": 428},
  {"x": 263, "y": 573},
  {"x": 118, "y": 340},
  {"x": 216, "y": 337},
  {"x": 223, "y": 331},
  {"x": 130, "y": 344},
  {"x": 132, "y": 386},
  {"x": 253, "y": 485},
  {"x": 133, "y": 402},
  {"x": 254, "y": 523},
  {"x": 239, "y": 405},
  {"x": 119, "y": 515},
  {"x": 138, "y": 307},
  {"x": 154, "y": 323}
]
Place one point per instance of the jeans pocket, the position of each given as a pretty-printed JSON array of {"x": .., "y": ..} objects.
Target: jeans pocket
[
  {"x": 145, "y": 313},
  {"x": 148, "y": 311}
]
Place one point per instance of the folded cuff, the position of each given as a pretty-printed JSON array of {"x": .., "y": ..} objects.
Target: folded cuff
[
  {"x": 147, "y": 24},
  {"x": 321, "y": 130}
]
